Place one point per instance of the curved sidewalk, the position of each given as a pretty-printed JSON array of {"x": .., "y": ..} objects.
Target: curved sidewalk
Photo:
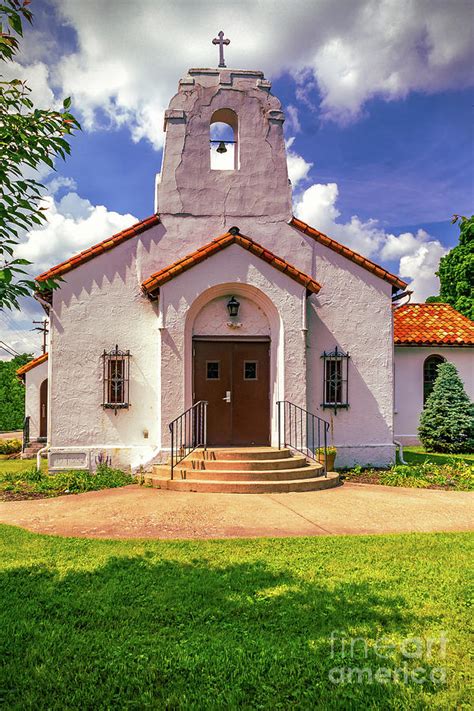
[{"x": 137, "y": 512}]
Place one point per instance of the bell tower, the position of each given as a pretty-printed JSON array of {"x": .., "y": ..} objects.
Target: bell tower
[{"x": 224, "y": 150}]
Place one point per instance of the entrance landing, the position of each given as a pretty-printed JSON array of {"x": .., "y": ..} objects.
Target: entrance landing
[{"x": 243, "y": 470}]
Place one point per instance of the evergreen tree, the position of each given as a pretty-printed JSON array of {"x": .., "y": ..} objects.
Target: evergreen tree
[
  {"x": 447, "y": 420},
  {"x": 12, "y": 394}
]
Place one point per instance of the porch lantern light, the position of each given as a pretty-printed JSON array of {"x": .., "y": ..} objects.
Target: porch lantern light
[{"x": 233, "y": 307}]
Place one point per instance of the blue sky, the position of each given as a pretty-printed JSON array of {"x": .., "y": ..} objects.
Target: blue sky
[{"x": 379, "y": 106}]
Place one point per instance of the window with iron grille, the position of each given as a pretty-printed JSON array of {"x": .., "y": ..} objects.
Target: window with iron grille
[
  {"x": 430, "y": 373},
  {"x": 336, "y": 379},
  {"x": 116, "y": 379}
]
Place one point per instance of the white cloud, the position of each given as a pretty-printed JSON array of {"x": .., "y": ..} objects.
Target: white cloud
[
  {"x": 129, "y": 58},
  {"x": 293, "y": 119},
  {"x": 298, "y": 168},
  {"x": 418, "y": 254},
  {"x": 37, "y": 77},
  {"x": 73, "y": 224},
  {"x": 420, "y": 267}
]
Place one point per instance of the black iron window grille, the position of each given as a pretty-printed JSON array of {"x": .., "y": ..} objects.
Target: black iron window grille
[
  {"x": 116, "y": 379},
  {"x": 336, "y": 380}
]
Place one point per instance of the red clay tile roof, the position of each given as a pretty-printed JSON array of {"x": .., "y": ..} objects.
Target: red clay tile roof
[
  {"x": 432, "y": 325},
  {"x": 153, "y": 283},
  {"x": 349, "y": 253},
  {"x": 100, "y": 248},
  {"x": 32, "y": 364}
]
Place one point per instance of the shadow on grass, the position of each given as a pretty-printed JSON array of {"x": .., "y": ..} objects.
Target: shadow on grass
[{"x": 141, "y": 632}]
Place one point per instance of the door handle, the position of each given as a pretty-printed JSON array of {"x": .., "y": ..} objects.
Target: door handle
[{"x": 227, "y": 396}]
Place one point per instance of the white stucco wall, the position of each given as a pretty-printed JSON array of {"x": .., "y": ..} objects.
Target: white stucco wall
[
  {"x": 409, "y": 362},
  {"x": 100, "y": 303},
  {"x": 33, "y": 380},
  {"x": 260, "y": 184},
  {"x": 353, "y": 311},
  {"x": 274, "y": 303}
]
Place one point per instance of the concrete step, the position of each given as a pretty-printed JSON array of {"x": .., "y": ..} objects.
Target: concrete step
[
  {"x": 32, "y": 450},
  {"x": 308, "y": 472},
  {"x": 250, "y": 465},
  {"x": 252, "y": 487},
  {"x": 246, "y": 453}
]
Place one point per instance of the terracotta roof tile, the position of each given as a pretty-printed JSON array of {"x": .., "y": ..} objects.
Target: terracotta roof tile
[
  {"x": 432, "y": 325},
  {"x": 349, "y": 253},
  {"x": 104, "y": 246},
  {"x": 32, "y": 364},
  {"x": 155, "y": 281}
]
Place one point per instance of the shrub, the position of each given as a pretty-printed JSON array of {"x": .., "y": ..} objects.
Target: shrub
[
  {"x": 12, "y": 394},
  {"x": 447, "y": 420},
  {"x": 457, "y": 475},
  {"x": 72, "y": 482},
  {"x": 10, "y": 446}
]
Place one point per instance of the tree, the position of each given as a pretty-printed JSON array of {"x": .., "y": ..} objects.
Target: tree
[
  {"x": 447, "y": 420},
  {"x": 456, "y": 270},
  {"x": 29, "y": 138},
  {"x": 12, "y": 394}
]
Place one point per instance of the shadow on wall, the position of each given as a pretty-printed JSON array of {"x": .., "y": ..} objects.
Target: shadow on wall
[
  {"x": 154, "y": 632},
  {"x": 115, "y": 263},
  {"x": 364, "y": 421}
]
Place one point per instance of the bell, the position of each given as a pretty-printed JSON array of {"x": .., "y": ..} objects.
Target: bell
[{"x": 221, "y": 147}]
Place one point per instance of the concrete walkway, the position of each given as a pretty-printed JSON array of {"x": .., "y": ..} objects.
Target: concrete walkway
[{"x": 138, "y": 512}]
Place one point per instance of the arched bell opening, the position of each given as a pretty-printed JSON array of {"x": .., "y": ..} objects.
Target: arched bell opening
[{"x": 223, "y": 140}]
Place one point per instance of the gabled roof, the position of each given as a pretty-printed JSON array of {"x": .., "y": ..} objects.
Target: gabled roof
[
  {"x": 30, "y": 365},
  {"x": 153, "y": 283},
  {"x": 432, "y": 325},
  {"x": 349, "y": 253},
  {"x": 100, "y": 248}
]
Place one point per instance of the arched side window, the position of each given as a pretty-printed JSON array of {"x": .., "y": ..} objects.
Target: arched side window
[
  {"x": 430, "y": 373},
  {"x": 223, "y": 135}
]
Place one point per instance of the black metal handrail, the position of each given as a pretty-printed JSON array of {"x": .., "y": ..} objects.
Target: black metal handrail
[
  {"x": 188, "y": 432},
  {"x": 302, "y": 431},
  {"x": 26, "y": 433}
]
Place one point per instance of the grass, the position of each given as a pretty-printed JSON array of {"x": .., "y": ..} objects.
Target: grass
[
  {"x": 19, "y": 465},
  {"x": 417, "y": 455},
  {"x": 19, "y": 479},
  {"x": 229, "y": 624}
]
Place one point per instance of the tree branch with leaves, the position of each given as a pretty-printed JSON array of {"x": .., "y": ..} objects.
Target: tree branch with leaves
[{"x": 30, "y": 138}]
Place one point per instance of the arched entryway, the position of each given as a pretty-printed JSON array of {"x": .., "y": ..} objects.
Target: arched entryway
[
  {"x": 234, "y": 364},
  {"x": 43, "y": 418}
]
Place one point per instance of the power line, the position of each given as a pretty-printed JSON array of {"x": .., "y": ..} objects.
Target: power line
[{"x": 8, "y": 349}]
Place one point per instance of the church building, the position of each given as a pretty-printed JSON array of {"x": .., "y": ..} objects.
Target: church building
[{"x": 221, "y": 305}]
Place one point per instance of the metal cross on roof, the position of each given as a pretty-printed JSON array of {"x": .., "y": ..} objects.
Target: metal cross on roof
[{"x": 221, "y": 42}]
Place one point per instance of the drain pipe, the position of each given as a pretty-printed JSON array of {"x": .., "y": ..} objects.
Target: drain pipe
[
  {"x": 400, "y": 450},
  {"x": 38, "y": 456}
]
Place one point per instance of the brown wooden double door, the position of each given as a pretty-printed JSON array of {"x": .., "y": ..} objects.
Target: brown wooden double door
[{"x": 234, "y": 378}]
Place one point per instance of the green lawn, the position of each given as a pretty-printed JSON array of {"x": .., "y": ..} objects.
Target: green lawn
[
  {"x": 417, "y": 455},
  {"x": 93, "y": 624},
  {"x": 19, "y": 465}
]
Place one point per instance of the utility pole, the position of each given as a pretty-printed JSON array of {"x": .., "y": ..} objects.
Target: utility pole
[{"x": 42, "y": 329}]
